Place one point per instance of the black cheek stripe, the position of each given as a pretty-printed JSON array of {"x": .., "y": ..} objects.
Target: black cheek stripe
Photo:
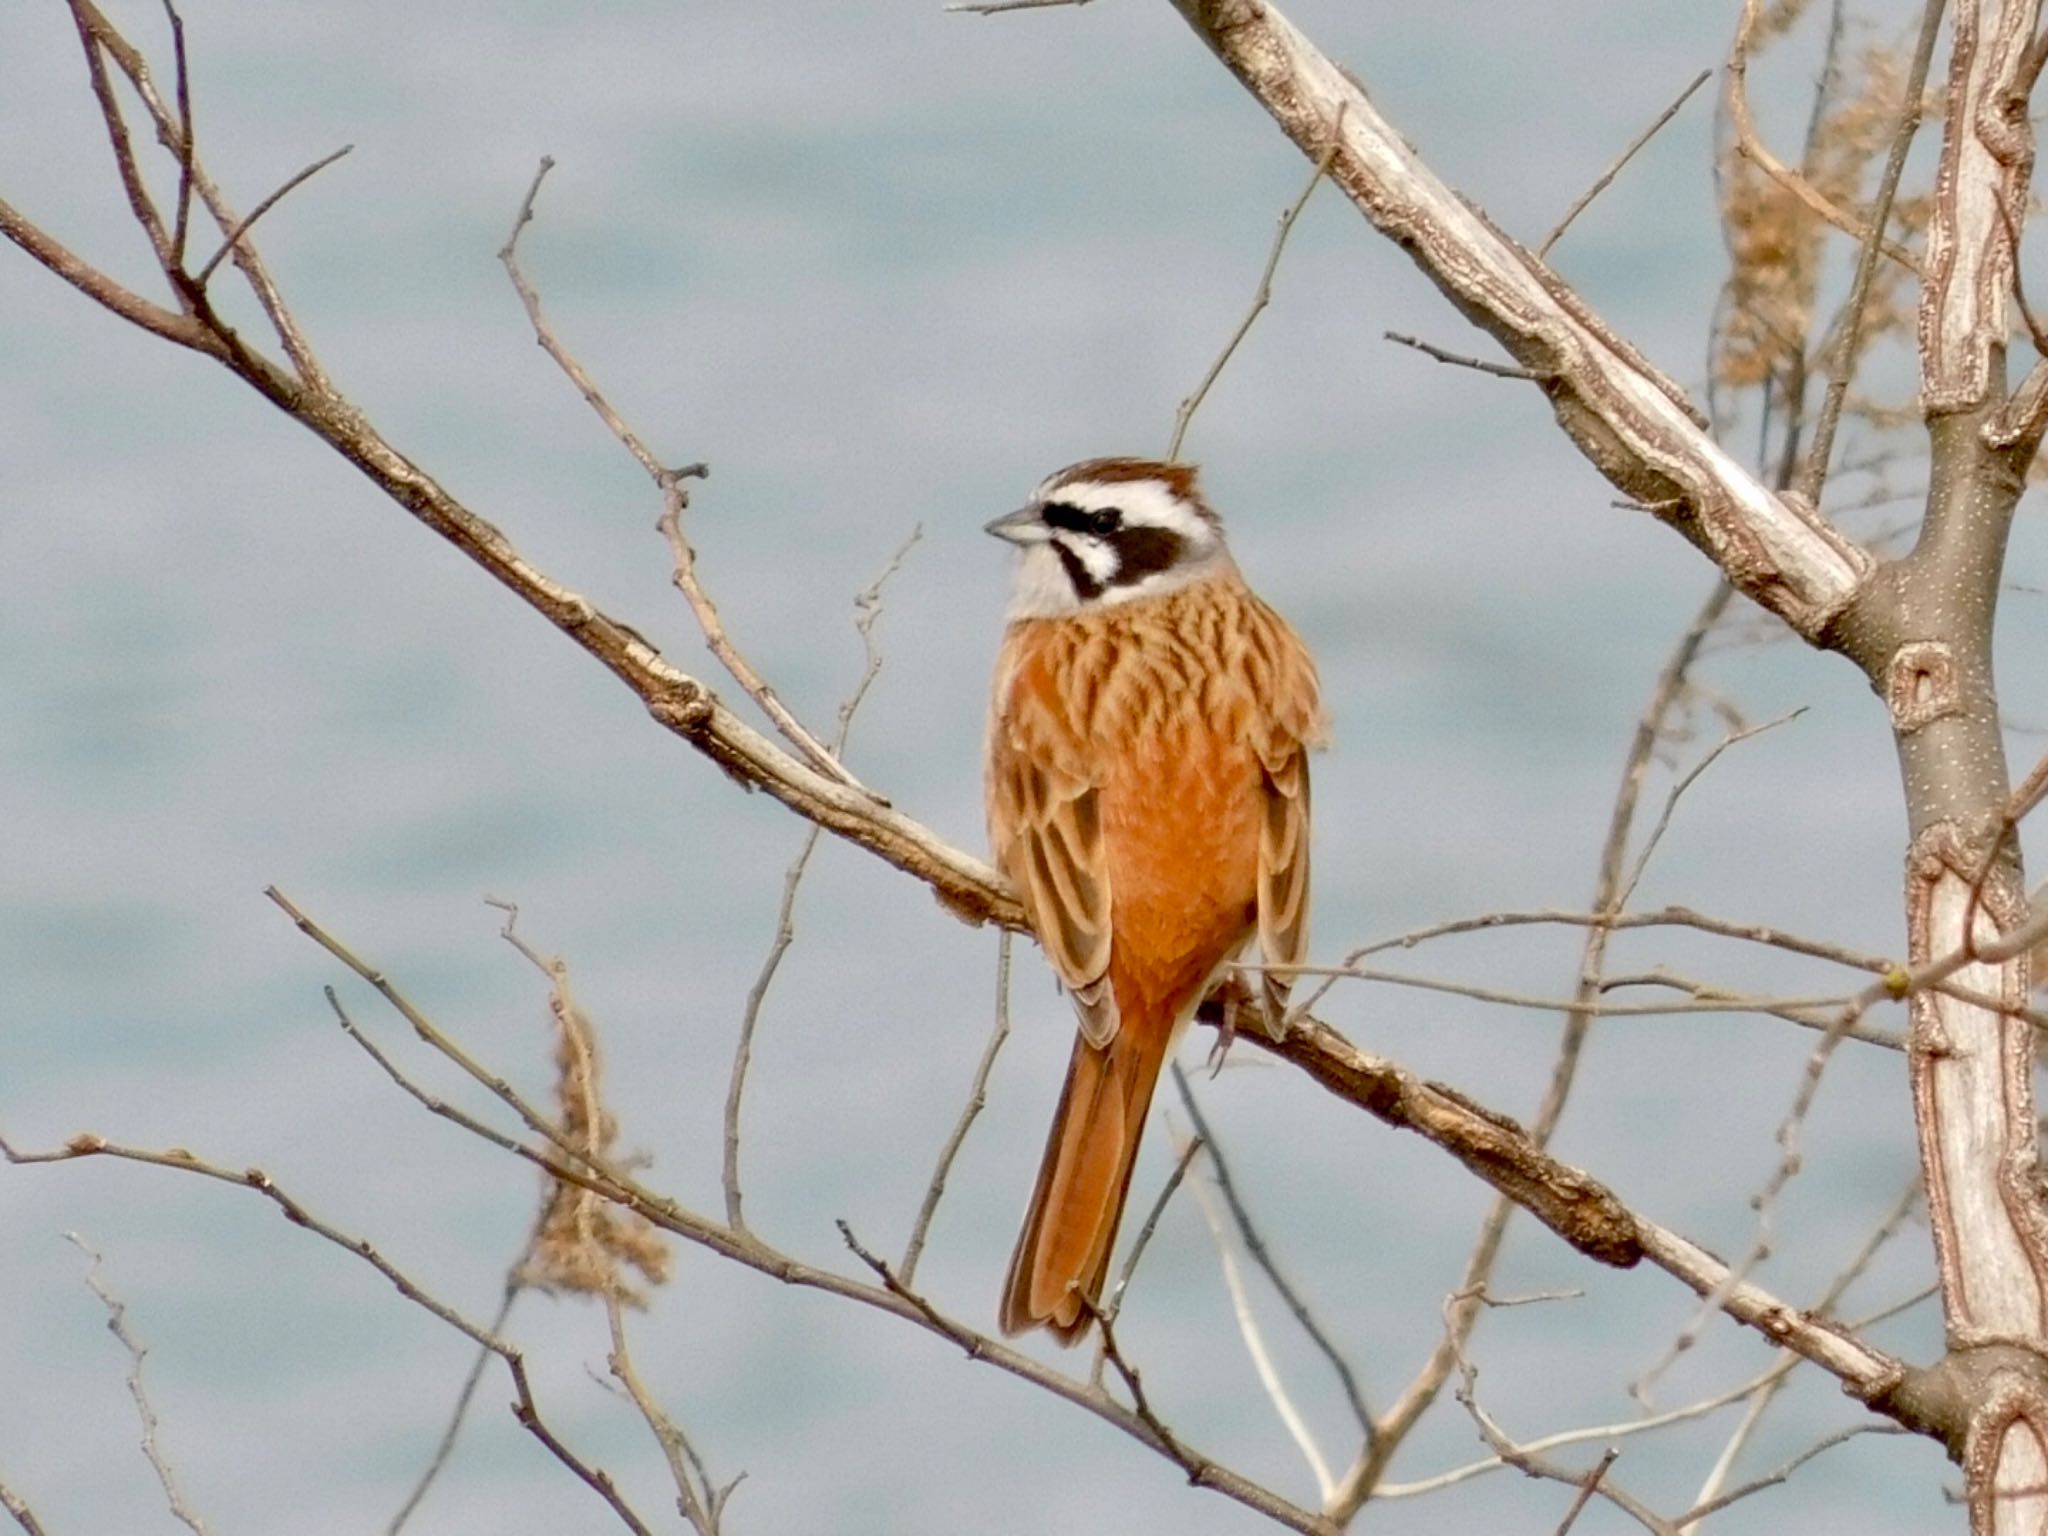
[{"x": 1086, "y": 587}]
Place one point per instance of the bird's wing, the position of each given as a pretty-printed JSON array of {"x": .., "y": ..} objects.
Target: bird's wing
[
  {"x": 1283, "y": 873},
  {"x": 1293, "y": 726},
  {"x": 1046, "y": 826}
]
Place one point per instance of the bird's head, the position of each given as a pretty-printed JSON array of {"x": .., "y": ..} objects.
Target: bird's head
[{"x": 1108, "y": 531}]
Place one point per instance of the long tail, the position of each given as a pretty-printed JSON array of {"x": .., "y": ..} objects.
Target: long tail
[{"x": 1069, "y": 1233}]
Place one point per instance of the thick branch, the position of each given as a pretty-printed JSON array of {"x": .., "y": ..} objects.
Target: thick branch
[{"x": 1634, "y": 424}]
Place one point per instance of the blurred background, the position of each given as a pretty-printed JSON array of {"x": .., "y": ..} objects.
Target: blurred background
[{"x": 882, "y": 268}]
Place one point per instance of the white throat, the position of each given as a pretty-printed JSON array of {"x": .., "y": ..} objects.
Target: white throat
[{"x": 1042, "y": 590}]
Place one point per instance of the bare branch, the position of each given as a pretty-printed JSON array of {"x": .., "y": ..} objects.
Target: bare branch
[
  {"x": 177, "y": 1159},
  {"x": 1632, "y": 422},
  {"x": 675, "y": 501},
  {"x": 17, "y": 1506},
  {"x": 1606, "y": 178},
  {"x": 117, "y": 1325}
]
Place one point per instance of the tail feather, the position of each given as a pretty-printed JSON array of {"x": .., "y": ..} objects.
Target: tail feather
[{"x": 1069, "y": 1233}]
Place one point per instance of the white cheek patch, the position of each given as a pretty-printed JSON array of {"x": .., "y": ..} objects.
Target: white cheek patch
[
  {"x": 1096, "y": 557},
  {"x": 1042, "y": 589}
]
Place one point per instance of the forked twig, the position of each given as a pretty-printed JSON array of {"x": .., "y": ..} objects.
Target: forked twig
[
  {"x": 526, "y": 1408},
  {"x": 1685, "y": 782},
  {"x": 675, "y": 501}
]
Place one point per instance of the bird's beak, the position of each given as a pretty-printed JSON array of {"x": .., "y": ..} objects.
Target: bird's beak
[{"x": 1023, "y": 526}]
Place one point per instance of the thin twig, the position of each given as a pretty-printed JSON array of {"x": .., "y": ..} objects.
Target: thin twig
[
  {"x": 1699, "y": 1512},
  {"x": 750, "y": 1018},
  {"x": 1261, "y": 297},
  {"x": 1255, "y": 1345},
  {"x": 977, "y": 1098},
  {"x": 92, "y": 30},
  {"x": 459, "y": 1415},
  {"x": 1848, "y": 342},
  {"x": 1678, "y": 789},
  {"x": 187, "y": 141},
  {"x": 525, "y": 1408},
  {"x": 1255, "y": 1245},
  {"x": 234, "y": 237},
  {"x": 1523, "y": 1460},
  {"x": 1593, "y": 1476},
  {"x": 1114, "y": 1302},
  {"x": 867, "y": 605},
  {"x": 117, "y": 1325},
  {"x": 1607, "y": 176},
  {"x": 699, "y": 1506},
  {"x": 1461, "y": 360},
  {"x": 675, "y": 501},
  {"x": 998, "y": 7}
]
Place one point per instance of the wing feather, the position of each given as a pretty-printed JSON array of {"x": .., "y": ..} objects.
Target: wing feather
[
  {"x": 1283, "y": 875},
  {"x": 1047, "y": 827}
]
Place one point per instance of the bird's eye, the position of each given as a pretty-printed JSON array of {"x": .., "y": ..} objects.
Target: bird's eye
[{"x": 1099, "y": 522}]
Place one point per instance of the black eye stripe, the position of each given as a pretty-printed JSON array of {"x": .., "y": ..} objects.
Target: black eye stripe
[
  {"x": 1143, "y": 552},
  {"x": 1064, "y": 514}
]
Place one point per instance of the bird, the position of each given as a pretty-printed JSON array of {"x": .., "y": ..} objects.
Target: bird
[{"x": 1148, "y": 797}]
